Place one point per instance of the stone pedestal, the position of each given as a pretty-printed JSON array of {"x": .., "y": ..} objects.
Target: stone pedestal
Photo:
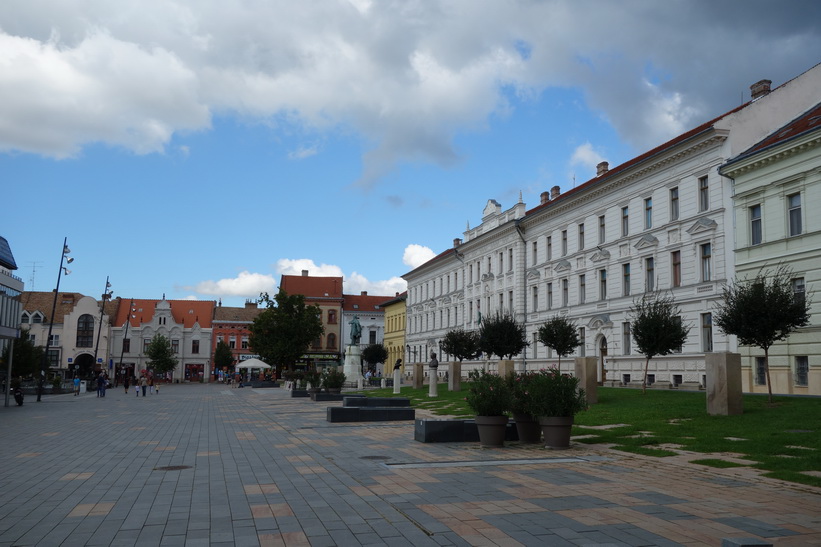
[
  {"x": 418, "y": 375},
  {"x": 588, "y": 378},
  {"x": 397, "y": 379},
  {"x": 433, "y": 382},
  {"x": 455, "y": 376},
  {"x": 505, "y": 368},
  {"x": 353, "y": 364},
  {"x": 723, "y": 384}
]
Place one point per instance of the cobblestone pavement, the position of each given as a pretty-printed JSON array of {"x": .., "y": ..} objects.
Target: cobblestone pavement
[{"x": 212, "y": 465}]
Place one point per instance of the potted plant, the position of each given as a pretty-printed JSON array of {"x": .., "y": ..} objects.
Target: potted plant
[
  {"x": 313, "y": 378},
  {"x": 527, "y": 425},
  {"x": 556, "y": 398},
  {"x": 333, "y": 379},
  {"x": 489, "y": 398}
]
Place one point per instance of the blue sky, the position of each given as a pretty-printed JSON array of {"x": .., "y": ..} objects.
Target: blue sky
[{"x": 202, "y": 149}]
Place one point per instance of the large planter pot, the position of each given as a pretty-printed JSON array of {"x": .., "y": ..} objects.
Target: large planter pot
[
  {"x": 492, "y": 430},
  {"x": 335, "y": 390},
  {"x": 528, "y": 428},
  {"x": 556, "y": 431}
]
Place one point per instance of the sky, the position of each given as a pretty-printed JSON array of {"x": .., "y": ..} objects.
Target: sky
[{"x": 200, "y": 149}]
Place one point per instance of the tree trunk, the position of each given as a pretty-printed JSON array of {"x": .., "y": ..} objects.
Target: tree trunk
[
  {"x": 767, "y": 370},
  {"x": 644, "y": 380}
]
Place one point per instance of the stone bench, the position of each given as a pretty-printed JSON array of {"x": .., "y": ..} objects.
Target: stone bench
[
  {"x": 299, "y": 393},
  {"x": 362, "y": 401},
  {"x": 454, "y": 431},
  {"x": 323, "y": 396},
  {"x": 337, "y": 414}
]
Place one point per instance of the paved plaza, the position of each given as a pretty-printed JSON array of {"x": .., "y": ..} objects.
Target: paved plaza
[{"x": 212, "y": 465}]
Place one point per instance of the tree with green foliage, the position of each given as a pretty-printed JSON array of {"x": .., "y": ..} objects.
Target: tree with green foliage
[
  {"x": 762, "y": 311},
  {"x": 501, "y": 335},
  {"x": 26, "y": 359},
  {"x": 462, "y": 344},
  {"x": 374, "y": 354},
  {"x": 282, "y": 333},
  {"x": 559, "y": 334},
  {"x": 160, "y": 355},
  {"x": 655, "y": 322},
  {"x": 223, "y": 356}
]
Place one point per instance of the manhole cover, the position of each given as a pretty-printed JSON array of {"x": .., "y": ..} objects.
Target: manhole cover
[
  {"x": 375, "y": 458},
  {"x": 172, "y": 468}
]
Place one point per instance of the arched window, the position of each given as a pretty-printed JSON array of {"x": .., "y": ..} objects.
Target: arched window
[
  {"x": 331, "y": 341},
  {"x": 85, "y": 331}
]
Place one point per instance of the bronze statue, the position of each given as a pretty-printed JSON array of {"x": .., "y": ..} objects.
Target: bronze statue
[{"x": 356, "y": 330}]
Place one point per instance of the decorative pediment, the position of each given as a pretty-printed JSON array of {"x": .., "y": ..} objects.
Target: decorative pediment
[
  {"x": 430, "y": 305},
  {"x": 599, "y": 321},
  {"x": 646, "y": 241},
  {"x": 492, "y": 208},
  {"x": 446, "y": 300},
  {"x": 488, "y": 277},
  {"x": 562, "y": 266},
  {"x": 533, "y": 273},
  {"x": 702, "y": 225},
  {"x": 600, "y": 255}
]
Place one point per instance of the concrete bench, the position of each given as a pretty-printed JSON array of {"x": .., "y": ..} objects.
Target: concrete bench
[
  {"x": 362, "y": 401},
  {"x": 323, "y": 396},
  {"x": 454, "y": 431},
  {"x": 299, "y": 393},
  {"x": 337, "y": 414}
]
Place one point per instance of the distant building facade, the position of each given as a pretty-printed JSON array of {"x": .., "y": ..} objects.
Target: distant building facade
[
  {"x": 371, "y": 317},
  {"x": 11, "y": 289},
  {"x": 326, "y": 293},
  {"x": 233, "y": 326},
  {"x": 395, "y": 323}
]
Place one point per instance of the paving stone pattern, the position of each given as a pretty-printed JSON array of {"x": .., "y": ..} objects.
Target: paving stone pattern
[{"x": 211, "y": 465}]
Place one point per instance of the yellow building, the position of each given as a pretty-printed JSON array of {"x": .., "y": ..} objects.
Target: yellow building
[{"x": 394, "y": 340}]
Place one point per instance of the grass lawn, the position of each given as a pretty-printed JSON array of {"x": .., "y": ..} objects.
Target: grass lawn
[{"x": 782, "y": 439}]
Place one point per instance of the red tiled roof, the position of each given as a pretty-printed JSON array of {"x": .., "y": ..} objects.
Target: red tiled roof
[
  {"x": 227, "y": 313},
  {"x": 186, "y": 312},
  {"x": 363, "y": 303},
  {"x": 398, "y": 298},
  {"x": 808, "y": 121},
  {"x": 312, "y": 287}
]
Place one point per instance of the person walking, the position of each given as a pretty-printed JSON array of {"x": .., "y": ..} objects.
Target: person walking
[
  {"x": 151, "y": 384},
  {"x": 126, "y": 383},
  {"x": 76, "y": 385},
  {"x": 143, "y": 384},
  {"x": 100, "y": 385}
]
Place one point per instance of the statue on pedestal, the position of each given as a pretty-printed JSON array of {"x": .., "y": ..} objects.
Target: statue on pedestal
[{"x": 356, "y": 330}]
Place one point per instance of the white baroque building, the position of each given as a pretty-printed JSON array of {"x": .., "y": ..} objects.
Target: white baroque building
[{"x": 660, "y": 222}]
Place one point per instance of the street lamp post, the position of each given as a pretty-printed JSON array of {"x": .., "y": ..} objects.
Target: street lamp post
[
  {"x": 106, "y": 295},
  {"x": 68, "y": 260},
  {"x": 125, "y": 335}
]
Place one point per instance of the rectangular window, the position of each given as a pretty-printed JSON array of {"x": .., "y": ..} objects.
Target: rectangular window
[
  {"x": 244, "y": 342},
  {"x": 175, "y": 346},
  {"x": 602, "y": 284},
  {"x": 372, "y": 337},
  {"x": 535, "y": 304},
  {"x": 760, "y": 372},
  {"x": 501, "y": 262},
  {"x": 565, "y": 292},
  {"x": 582, "y": 289},
  {"x": 625, "y": 338},
  {"x": 232, "y": 343},
  {"x": 703, "y": 194},
  {"x": 673, "y": 204},
  {"x": 581, "y": 341},
  {"x": 146, "y": 342},
  {"x": 510, "y": 260},
  {"x": 625, "y": 279},
  {"x": 549, "y": 247},
  {"x": 550, "y": 296},
  {"x": 649, "y": 274},
  {"x": 794, "y": 211},
  {"x": 564, "y": 242},
  {"x": 677, "y": 322},
  {"x": 489, "y": 265},
  {"x": 602, "y": 232},
  {"x": 510, "y": 301},
  {"x": 54, "y": 357},
  {"x": 799, "y": 290},
  {"x": 675, "y": 268},
  {"x": 755, "y": 225},
  {"x": 802, "y": 370},
  {"x": 535, "y": 252},
  {"x": 195, "y": 346},
  {"x": 706, "y": 332},
  {"x": 470, "y": 271},
  {"x": 706, "y": 262},
  {"x": 625, "y": 221},
  {"x": 648, "y": 213},
  {"x": 581, "y": 236},
  {"x": 127, "y": 345}
]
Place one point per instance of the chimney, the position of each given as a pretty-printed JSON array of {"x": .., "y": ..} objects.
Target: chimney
[
  {"x": 364, "y": 293},
  {"x": 456, "y": 242},
  {"x": 249, "y": 304},
  {"x": 760, "y": 88},
  {"x": 602, "y": 168},
  {"x": 304, "y": 273},
  {"x": 544, "y": 197},
  {"x": 554, "y": 192}
]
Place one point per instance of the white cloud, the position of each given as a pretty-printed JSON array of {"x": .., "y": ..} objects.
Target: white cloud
[
  {"x": 245, "y": 284},
  {"x": 416, "y": 255},
  {"x": 287, "y": 266},
  {"x": 405, "y": 77},
  {"x": 303, "y": 153},
  {"x": 586, "y": 157}
]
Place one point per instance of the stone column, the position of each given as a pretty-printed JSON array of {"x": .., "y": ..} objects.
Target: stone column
[
  {"x": 418, "y": 375},
  {"x": 455, "y": 376},
  {"x": 723, "y": 384},
  {"x": 505, "y": 368},
  {"x": 588, "y": 377},
  {"x": 433, "y": 381},
  {"x": 397, "y": 378}
]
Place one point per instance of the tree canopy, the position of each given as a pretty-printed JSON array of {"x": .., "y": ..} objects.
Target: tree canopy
[
  {"x": 160, "y": 355},
  {"x": 559, "y": 334},
  {"x": 501, "y": 335},
  {"x": 655, "y": 322},
  {"x": 223, "y": 356},
  {"x": 282, "y": 333},
  {"x": 462, "y": 344},
  {"x": 374, "y": 353},
  {"x": 27, "y": 356},
  {"x": 763, "y": 310}
]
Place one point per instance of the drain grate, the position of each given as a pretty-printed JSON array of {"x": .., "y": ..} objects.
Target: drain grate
[{"x": 172, "y": 468}]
